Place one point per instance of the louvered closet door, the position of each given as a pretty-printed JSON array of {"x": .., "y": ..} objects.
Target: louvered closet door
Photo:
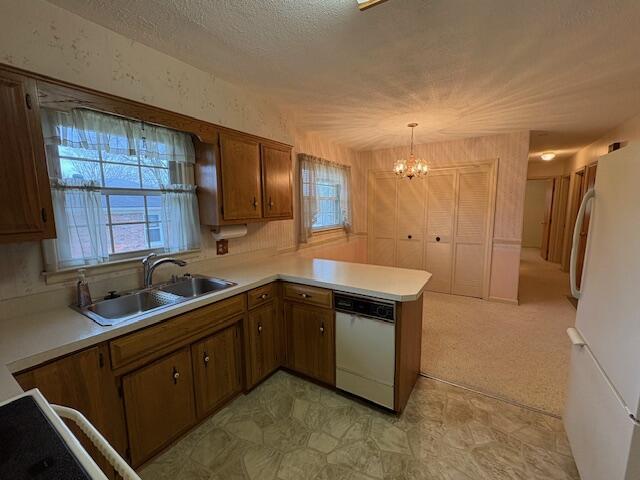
[
  {"x": 439, "y": 232},
  {"x": 470, "y": 232},
  {"x": 383, "y": 218},
  {"x": 410, "y": 223}
]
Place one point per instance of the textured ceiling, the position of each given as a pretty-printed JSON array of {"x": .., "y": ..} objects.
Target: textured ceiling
[{"x": 567, "y": 70}]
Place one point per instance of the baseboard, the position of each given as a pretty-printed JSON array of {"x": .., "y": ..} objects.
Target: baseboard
[{"x": 510, "y": 301}]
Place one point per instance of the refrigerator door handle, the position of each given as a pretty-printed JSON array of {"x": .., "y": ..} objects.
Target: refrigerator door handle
[
  {"x": 575, "y": 337},
  {"x": 591, "y": 193}
]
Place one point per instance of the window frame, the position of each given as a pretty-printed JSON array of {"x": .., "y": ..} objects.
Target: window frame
[{"x": 106, "y": 192}]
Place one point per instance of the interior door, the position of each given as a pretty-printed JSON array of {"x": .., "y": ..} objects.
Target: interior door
[
  {"x": 546, "y": 223},
  {"x": 410, "y": 223},
  {"x": 241, "y": 179},
  {"x": 276, "y": 181},
  {"x": 589, "y": 182},
  {"x": 559, "y": 217},
  {"x": 439, "y": 229},
  {"x": 382, "y": 218},
  {"x": 471, "y": 225}
]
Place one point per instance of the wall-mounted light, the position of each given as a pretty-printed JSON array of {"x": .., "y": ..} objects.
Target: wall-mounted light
[{"x": 548, "y": 156}]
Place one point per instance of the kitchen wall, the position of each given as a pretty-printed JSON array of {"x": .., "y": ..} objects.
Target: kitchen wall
[
  {"x": 511, "y": 150},
  {"x": 46, "y": 39}
]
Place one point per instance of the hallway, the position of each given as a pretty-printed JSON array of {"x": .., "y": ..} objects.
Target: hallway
[{"x": 519, "y": 353}]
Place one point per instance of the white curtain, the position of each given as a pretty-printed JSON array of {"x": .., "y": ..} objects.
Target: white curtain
[
  {"x": 180, "y": 218},
  {"x": 81, "y": 224},
  {"x": 314, "y": 171}
]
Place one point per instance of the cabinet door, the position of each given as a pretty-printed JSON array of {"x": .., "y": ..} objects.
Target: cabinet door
[
  {"x": 216, "y": 369},
  {"x": 83, "y": 381},
  {"x": 310, "y": 341},
  {"x": 241, "y": 180},
  {"x": 24, "y": 183},
  {"x": 159, "y": 404},
  {"x": 264, "y": 337},
  {"x": 276, "y": 182}
]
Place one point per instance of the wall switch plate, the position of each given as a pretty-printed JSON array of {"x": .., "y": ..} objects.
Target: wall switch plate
[{"x": 222, "y": 247}]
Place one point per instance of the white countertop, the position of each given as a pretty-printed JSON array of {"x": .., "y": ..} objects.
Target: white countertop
[{"x": 29, "y": 340}]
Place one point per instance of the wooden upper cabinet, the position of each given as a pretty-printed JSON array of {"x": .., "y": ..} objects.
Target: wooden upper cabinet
[
  {"x": 277, "y": 196},
  {"x": 241, "y": 179},
  {"x": 26, "y": 212}
]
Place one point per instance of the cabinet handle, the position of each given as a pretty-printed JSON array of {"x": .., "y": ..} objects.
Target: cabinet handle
[
  {"x": 27, "y": 99},
  {"x": 176, "y": 375},
  {"x": 305, "y": 295},
  {"x": 409, "y": 237},
  {"x": 322, "y": 328},
  {"x": 206, "y": 359},
  {"x": 259, "y": 328},
  {"x": 264, "y": 296},
  {"x": 43, "y": 214},
  {"x": 271, "y": 204},
  {"x": 254, "y": 204},
  {"x": 437, "y": 239}
]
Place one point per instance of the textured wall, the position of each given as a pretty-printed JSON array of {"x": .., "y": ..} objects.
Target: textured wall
[
  {"x": 511, "y": 150},
  {"x": 67, "y": 47}
]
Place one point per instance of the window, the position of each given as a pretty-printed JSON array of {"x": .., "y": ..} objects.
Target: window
[
  {"x": 120, "y": 188},
  {"x": 325, "y": 195}
]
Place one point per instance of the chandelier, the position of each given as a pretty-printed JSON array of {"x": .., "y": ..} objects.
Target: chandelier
[{"x": 411, "y": 167}]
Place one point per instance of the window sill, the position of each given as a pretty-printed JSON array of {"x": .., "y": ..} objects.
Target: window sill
[
  {"x": 327, "y": 230},
  {"x": 123, "y": 266}
]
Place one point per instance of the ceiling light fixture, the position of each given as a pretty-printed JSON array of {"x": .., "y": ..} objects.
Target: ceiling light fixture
[
  {"x": 364, "y": 4},
  {"x": 548, "y": 156},
  {"x": 411, "y": 167}
]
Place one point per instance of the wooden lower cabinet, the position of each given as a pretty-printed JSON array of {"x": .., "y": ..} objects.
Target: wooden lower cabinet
[
  {"x": 84, "y": 381},
  {"x": 264, "y": 343},
  {"x": 159, "y": 403},
  {"x": 310, "y": 335},
  {"x": 217, "y": 369}
]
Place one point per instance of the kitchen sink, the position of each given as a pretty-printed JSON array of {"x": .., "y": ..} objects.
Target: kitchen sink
[
  {"x": 195, "y": 286},
  {"x": 111, "y": 311}
]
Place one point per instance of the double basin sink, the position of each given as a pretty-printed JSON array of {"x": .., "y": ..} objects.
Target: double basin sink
[{"x": 111, "y": 311}]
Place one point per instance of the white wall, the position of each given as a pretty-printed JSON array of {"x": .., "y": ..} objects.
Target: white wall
[
  {"x": 42, "y": 38},
  {"x": 534, "y": 212}
]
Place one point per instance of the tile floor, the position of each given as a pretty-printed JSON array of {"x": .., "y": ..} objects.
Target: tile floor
[{"x": 291, "y": 429}]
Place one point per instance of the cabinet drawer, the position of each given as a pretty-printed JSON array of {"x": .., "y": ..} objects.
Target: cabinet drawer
[
  {"x": 260, "y": 295},
  {"x": 159, "y": 338},
  {"x": 310, "y": 295}
]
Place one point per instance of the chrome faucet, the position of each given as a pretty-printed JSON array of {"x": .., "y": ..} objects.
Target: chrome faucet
[{"x": 148, "y": 267}]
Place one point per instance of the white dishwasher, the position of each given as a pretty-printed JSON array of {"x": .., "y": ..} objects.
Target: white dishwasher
[{"x": 365, "y": 347}]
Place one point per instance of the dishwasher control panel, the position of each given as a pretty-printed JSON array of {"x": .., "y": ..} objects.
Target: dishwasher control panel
[{"x": 365, "y": 306}]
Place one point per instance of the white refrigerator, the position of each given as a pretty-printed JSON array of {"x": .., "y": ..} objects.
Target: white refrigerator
[{"x": 603, "y": 402}]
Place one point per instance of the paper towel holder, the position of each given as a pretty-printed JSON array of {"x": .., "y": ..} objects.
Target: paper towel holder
[{"x": 225, "y": 232}]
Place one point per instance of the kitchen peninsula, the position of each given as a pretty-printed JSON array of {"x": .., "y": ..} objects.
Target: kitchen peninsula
[{"x": 183, "y": 363}]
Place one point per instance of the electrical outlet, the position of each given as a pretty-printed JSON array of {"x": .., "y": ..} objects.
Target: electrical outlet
[{"x": 222, "y": 247}]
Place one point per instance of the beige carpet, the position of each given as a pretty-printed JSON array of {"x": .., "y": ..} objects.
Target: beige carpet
[{"x": 518, "y": 352}]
